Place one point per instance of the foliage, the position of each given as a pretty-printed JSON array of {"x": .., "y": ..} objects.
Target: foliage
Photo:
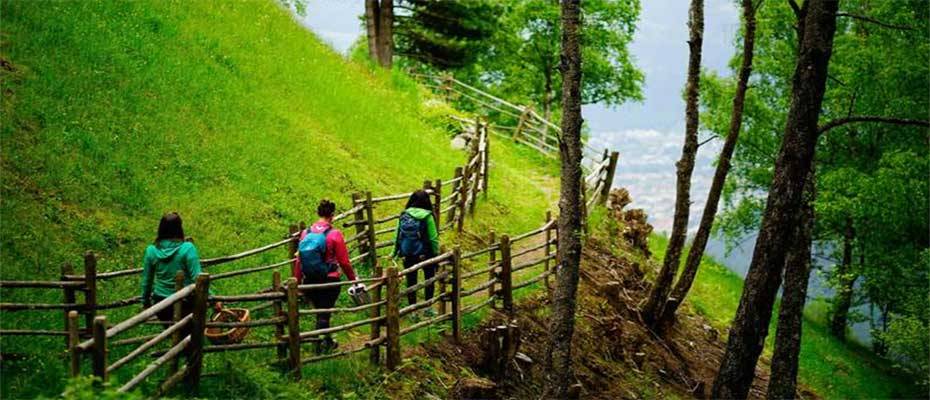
[
  {"x": 83, "y": 388},
  {"x": 872, "y": 174},
  {"x": 831, "y": 368},
  {"x": 231, "y": 114},
  {"x": 522, "y": 61},
  {"x": 444, "y": 34}
]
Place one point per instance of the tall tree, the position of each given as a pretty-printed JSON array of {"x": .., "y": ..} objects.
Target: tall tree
[
  {"x": 817, "y": 28},
  {"x": 445, "y": 34},
  {"x": 562, "y": 325},
  {"x": 699, "y": 243},
  {"x": 379, "y": 26},
  {"x": 655, "y": 303},
  {"x": 523, "y": 59},
  {"x": 783, "y": 379}
]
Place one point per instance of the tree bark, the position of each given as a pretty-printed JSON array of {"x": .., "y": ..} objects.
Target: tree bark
[
  {"x": 372, "y": 18},
  {"x": 699, "y": 244},
  {"x": 386, "y": 34},
  {"x": 750, "y": 325},
  {"x": 655, "y": 303},
  {"x": 562, "y": 324},
  {"x": 847, "y": 279},
  {"x": 784, "y": 371}
]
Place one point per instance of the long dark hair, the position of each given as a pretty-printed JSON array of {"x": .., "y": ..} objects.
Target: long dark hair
[
  {"x": 420, "y": 199},
  {"x": 170, "y": 227}
]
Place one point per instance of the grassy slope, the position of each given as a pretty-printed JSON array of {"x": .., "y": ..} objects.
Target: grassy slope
[
  {"x": 832, "y": 369},
  {"x": 231, "y": 114}
]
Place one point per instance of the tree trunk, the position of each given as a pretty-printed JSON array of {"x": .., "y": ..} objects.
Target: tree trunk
[
  {"x": 750, "y": 325},
  {"x": 372, "y": 18},
  {"x": 784, "y": 371},
  {"x": 663, "y": 284},
  {"x": 847, "y": 279},
  {"x": 720, "y": 174},
  {"x": 386, "y": 34},
  {"x": 562, "y": 323}
]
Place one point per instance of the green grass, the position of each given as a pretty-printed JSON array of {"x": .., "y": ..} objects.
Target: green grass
[
  {"x": 832, "y": 369},
  {"x": 229, "y": 113}
]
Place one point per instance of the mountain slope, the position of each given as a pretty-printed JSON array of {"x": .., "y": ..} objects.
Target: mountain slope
[{"x": 230, "y": 113}]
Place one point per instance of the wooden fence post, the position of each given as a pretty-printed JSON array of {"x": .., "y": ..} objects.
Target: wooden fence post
[
  {"x": 463, "y": 198},
  {"x": 277, "y": 311},
  {"x": 492, "y": 256},
  {"x": 74, "y": 368},
  {"x": 69, "y": 298},
  {"x": 176, "y": 316},
  {"x": 475, "y": 175},
  {"x": 506, "y": 276},
  {"x": 485, "y": 164},
  {"x": 99, "y": 327},
  {"x": 361, "y": 223},
  {"x": 90, "y": 291},
  {"x": 547, "y": 251},
  {"x": 441, "y": 305},
  {"x": 455, "y": 189},
  {"x": 198, "y": 325},
  {"x": 609, "y": 179},
  {"x": 437, "y": 204},
  {"x": 521, "y": 122},
  {"x": 372, "y": 237},
  {"x": 375, "y": 356},
  {"x": 392, "y": 323},
  {"x": 456, "y": 294},
  {"x": 293, "y": 330},
  {"x": 292, "y": 246}
]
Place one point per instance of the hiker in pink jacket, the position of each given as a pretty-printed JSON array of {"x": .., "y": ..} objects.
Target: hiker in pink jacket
[{"x": 322, "y": 258}]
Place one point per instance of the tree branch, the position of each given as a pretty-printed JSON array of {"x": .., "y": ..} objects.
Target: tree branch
[
  {"x": 871, "y": 118},
  {"x": 874, "y": 21},
  {"x": 795, "y": 8}
]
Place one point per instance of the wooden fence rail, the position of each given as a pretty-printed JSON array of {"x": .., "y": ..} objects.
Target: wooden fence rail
[{"x": 460, "y": 291}]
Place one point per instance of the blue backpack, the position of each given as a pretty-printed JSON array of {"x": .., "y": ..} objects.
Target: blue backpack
[
  {"x": 312, "y": 251},
  {"x": 410, "y": 236}
]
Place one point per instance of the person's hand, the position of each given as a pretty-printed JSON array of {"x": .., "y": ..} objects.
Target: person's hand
[{"x": 218, "y": 306}]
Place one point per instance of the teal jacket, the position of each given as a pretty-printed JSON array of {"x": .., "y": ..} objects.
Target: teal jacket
[
  {"x": 167, "y": 257},
  {"x": 431, "y": 230}
]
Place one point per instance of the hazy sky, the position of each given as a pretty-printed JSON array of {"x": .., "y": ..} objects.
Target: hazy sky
[{"x": 648, "y": 134}]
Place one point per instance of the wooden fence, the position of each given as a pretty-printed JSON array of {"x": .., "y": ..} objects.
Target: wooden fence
[
  {"x": 467, "y": 282},
  {"x": 520, "y": 123}
]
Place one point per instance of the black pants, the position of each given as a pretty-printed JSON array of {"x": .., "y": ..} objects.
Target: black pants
[
  {"x": 429, "y": 271},
  {"x": 167, "y": 315},
  {"x": 322, "y": 298}
]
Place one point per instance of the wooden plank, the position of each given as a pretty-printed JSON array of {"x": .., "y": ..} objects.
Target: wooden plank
[
  {"x": 198, "y": 326},
  {"x": 372, "y": 238},
  {"x": 135, "y": 353},
  {"x": 392, "y": 322},
  {"x": 100, "y": 348},
  {"x": 90, "y": 292},
  {"x": 151, "y": 368},
  {"x": 41, "y": 284},
  {"x": 456, "y": 295},
  {"x": 506, "y": 277},
  {"x": 293, "y": 330},
  {"x": 225, "y": 259},
  {"x": 74, "y": 367},
  {"x": 375, "y": 293},
  {"x": 277, "y": 311}
]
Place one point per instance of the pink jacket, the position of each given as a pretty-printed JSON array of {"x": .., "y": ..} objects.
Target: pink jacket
[{"x": 336, "y": 251}]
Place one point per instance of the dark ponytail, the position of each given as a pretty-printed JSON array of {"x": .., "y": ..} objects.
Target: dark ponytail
[
  {"x": 326, "y": 209},
  {"x": 420, "y": 199}
]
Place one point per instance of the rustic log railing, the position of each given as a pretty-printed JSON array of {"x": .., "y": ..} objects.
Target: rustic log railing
[{"x": 467, "y": 282}]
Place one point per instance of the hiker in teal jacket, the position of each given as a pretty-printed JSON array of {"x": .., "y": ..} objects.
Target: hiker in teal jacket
[
  {"x": 162, "y": 261},
  {"x": 417, "y": 239}
]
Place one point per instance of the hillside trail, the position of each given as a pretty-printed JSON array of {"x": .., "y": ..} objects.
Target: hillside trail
[{"x": 614, "y": 354}]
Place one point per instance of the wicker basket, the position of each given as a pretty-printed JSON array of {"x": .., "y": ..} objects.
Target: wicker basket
[{"x": 228, "y": 335}]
